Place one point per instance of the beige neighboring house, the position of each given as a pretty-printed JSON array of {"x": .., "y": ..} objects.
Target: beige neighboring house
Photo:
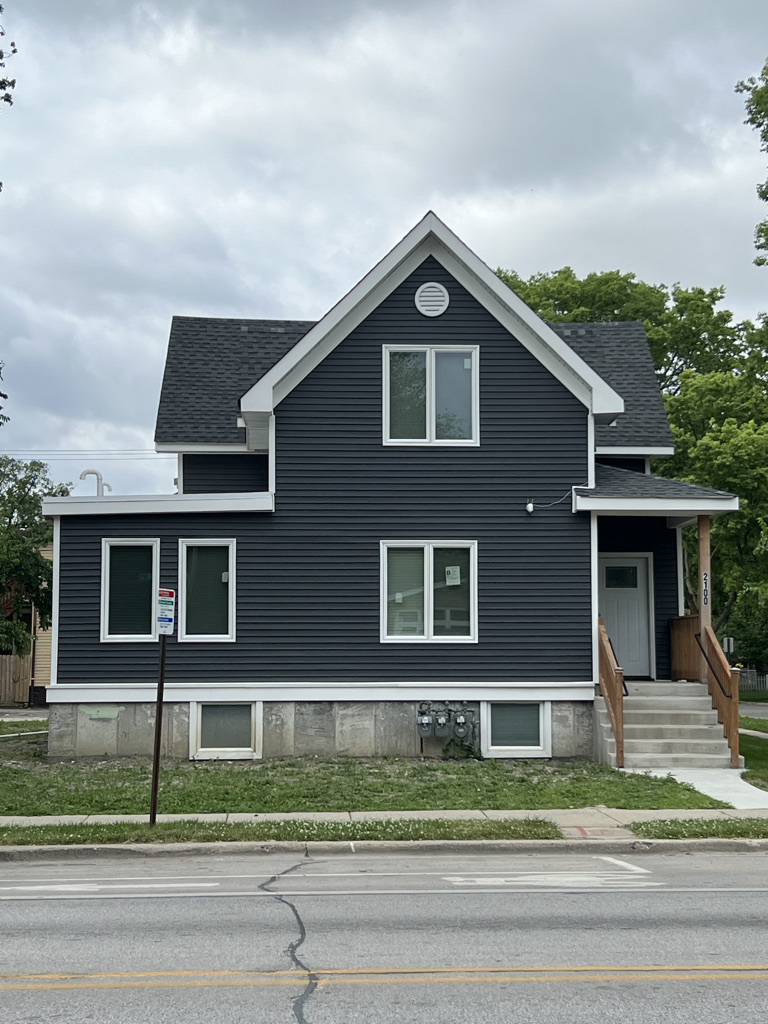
[{"x": 18, "y": 674}]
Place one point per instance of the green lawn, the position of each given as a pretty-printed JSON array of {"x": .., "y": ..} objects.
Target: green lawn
[
  {"x": 277, "y": 831},
  {"x": 702, "y": 828},
  {"x": 760, "y": 724},
  {"x": 31, "y": 785},
  {"x": 756, "y": 696},
  {"x": 755, "y": 753},
  {"x": 23, "y": 726}
]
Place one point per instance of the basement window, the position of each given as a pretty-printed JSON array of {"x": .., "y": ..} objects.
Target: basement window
[
  {"x": 516, "y": 729},
  {"x": 225, "y": 731}
]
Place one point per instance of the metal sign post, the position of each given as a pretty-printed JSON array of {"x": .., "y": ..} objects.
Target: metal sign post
[{"x": 166, "y": 602}]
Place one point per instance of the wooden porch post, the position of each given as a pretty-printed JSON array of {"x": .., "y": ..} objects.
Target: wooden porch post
[{"x": 705, "y": 585}]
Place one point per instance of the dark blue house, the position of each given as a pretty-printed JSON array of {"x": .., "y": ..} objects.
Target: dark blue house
[{"x": 394, "y": 528}]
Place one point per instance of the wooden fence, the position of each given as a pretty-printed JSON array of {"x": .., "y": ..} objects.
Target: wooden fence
[{"x": 15, "y": 678}]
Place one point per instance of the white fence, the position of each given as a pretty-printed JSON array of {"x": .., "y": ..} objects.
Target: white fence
[{"x": 752, "y": 680}]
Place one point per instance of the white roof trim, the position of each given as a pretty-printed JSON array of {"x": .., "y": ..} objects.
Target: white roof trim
[
  {"x": 138, "y": 504},
  {"x": 201, "y": 449},
  {"x": 704, "y": 506},
  {"x": 431, "y": 237},
  {"x": 640, "y": 452}
]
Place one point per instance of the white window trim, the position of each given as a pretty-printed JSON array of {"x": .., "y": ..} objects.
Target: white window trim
[
  {"x": 430, "y": 440},
  {"x": 252, "y": 753},
  {"x": 429, "y": 545},
  {"x": 127, "y": 638},
  {"x": 210, "y": 542},
  {"x": 544, "y": 749}
]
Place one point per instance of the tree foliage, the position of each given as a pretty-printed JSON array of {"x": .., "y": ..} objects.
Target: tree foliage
[
  {"x": 756, "y": 92},
  {"x": 714, "y": 373},
  {"x": 685, "y": 328},
  {"x": 25, "y": 575}
]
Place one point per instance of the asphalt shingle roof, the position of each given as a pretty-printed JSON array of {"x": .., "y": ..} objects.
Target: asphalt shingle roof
[
  {"x": 212, "y": 362},
  {"x": 210, "y": 365},
  {"x": 612, "y": 482},
  {"x": 620, "y": 354}
]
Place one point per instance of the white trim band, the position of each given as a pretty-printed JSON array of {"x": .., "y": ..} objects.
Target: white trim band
[{"x": 137, "y": 504}]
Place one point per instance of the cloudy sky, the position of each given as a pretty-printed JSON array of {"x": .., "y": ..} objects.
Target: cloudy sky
[{"x": 256, "y": 157}]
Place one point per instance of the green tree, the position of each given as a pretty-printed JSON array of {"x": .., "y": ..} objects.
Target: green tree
[
  {"x": 685, "y": 328},
  {"x": 756, "y": 91},
  {"x": 25, "y": 576}
]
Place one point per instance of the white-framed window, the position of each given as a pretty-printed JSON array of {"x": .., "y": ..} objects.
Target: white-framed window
[
  {"x": 207, "y": 590},
  {"x": 431, "y": 395},
  {"x": 129, "y": 582},
  {"x": 228, "y": 730},
  {"x": 429, "y": 591},
  {"x": 516, "y": 728}
]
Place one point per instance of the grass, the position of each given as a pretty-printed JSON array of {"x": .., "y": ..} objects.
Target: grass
[
  {"x": 30, "y": 785},
  {"x": 702, "y": 828},
  {"x": 756, "y": 696},
  {"x": 755, "y": 751},
  {"x": 759, "y": 724},
  {"x": 22, "y": 726},
  {"x": 276, "y": 831}
]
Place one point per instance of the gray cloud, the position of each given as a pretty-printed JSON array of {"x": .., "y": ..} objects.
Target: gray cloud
[{"x": 256, "y": 158}]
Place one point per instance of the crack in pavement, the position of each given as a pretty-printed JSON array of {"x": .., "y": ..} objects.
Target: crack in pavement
[{"x": 312, "y": 979}]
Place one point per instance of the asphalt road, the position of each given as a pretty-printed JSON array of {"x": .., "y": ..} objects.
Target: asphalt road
[{"x": 363, "y": 939}]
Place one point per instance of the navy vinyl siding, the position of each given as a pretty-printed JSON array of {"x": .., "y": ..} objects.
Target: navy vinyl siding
[
  {"x": 207, "y": 473},
  {"x": 641, "y": 534},
  {"x": 308, "y": 574}
]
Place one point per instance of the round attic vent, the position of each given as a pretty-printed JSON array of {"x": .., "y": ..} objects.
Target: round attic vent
[{"x": 432, "y": 299}]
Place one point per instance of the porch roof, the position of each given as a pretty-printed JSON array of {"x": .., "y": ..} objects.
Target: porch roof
[{"x": 626, "y": 493}]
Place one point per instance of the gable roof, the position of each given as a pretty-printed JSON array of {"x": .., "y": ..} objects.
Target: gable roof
[
  {"x": 620, "y": 353},
  {"x": 211, "y": 362},
  {"x": 430, "y": 237}
]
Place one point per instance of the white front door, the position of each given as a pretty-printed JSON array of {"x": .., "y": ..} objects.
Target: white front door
[{"x": 624, "y": 604}]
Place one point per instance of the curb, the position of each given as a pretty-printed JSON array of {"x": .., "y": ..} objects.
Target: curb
[{"x": 626, "y": 847}]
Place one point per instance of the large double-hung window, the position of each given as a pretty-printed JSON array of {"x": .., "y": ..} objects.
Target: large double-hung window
[
  {"x": 431, "y": 395},
  {"x": 429, "y": 591}
]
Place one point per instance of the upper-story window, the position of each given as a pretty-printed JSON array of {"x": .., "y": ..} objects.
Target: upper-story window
[{"x": 431, "y": 395}]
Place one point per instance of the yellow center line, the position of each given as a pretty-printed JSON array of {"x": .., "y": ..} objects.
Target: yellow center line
[
  {"x": 455, "y": 979},
  {"x": 381, "y": 976},
  {"x": 323, "y": 972}
]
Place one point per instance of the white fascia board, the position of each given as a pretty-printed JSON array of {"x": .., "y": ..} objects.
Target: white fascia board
[
  {"x": 641, "y": 452},
  {"x": 74, "y": 693},
  {"x": 431, "y": 237},
  {"x": 200, "y": 449},
  {"x": 137, "y": 504},
  {"x": 655, "y": 506}
]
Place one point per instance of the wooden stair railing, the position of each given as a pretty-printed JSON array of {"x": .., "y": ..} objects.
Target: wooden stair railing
[
  {"x": 612, "y": 689},
  {"x": 723, "y": 684}
]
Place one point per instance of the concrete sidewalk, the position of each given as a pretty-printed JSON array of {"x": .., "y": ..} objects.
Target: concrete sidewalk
[{"x": 574, "y": 822}]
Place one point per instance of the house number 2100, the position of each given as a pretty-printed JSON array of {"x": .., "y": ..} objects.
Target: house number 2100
[{"x": 705, "y": 588}]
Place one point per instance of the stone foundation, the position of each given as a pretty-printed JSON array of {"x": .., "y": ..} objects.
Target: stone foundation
[{"x": 294, "y": 729}]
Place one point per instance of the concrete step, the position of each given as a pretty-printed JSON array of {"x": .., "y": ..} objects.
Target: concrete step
[
  {"x": 665, "y": 689},
  {"x": 676, "y": 761},
  {"x": 681, "y": 745},
  {"x": 699, "y": 703},
  {"x": 678, "y": 719},
  {"x": 661, "y": 732}
]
